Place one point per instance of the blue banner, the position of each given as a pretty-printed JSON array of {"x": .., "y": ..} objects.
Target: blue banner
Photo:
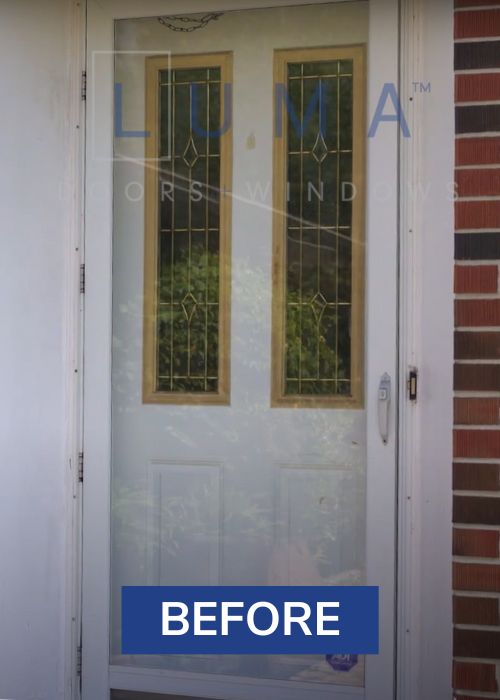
[{"x": 250, "y": 620}]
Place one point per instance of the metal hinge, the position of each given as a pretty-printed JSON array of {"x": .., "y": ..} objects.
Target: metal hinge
[
  {"x": 82, "y": 279},
  {"x": 79, "y": 662},
  {"x": 412, "y": 384},
  {"x": 84, "y": 86},
  {"x": 80, "y": 467}
]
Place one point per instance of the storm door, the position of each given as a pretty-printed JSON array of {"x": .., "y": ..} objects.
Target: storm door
[{"x": 240, "y": 316}]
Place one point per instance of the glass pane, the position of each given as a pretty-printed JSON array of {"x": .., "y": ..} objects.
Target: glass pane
[
  {"x": 318, "y": 254},
  {"x": 187, "y": 305},
  {"x": 238, "y": 493},
  {"x": 323, "y": 68}
]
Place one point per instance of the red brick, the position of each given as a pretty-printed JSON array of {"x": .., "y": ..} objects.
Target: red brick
[
  {"x": 468, "y": 610},
  {"x": 471, "y": 3},
  {"x": 476, "y": 577},
  {"x": 476, "y": 279},
  {"x": 477, "y": 411},
  {"x": 477, "y": 23},
  {"x": 483, "y": 644},
  {"x": 482, "y": 444},
  {"x": 477, "y": 150},
  {"x": 477, "y": 183},
  {"x": 476, "y": 377},
  {"x": 455, "y": 697},
  {"x": 477, "y": 312},
  {"x": 477, "y": 87},
  {"x": 474, "y": 676},
  {"x": 476, "y": 476},
  {"x": 474, "y": 215},
  {"x": 475, "y": 543},
  {"x": 477, "y": 345},
  {"x": 476, "y": 510}
]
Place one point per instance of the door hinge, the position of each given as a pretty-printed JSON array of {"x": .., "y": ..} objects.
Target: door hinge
[
  {"x": 80, "y": 467},
  {"x": 82, "y": 279},
  {"x": 413, "y": 384},
  {"x": 79, "y": 662},
  {"x": 84, "y": 86}
]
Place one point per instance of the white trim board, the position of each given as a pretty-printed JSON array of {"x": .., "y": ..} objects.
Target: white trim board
[{"x": 426, "y": 328}]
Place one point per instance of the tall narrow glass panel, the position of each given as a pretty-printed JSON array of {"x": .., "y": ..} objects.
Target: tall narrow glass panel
[{"x": 238, "y": 417}]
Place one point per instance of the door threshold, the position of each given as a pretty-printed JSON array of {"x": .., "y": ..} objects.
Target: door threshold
[{"x": 213, "y": 687}]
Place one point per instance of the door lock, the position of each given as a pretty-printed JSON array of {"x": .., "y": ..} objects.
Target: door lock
[{"x": 384, "y": 402}]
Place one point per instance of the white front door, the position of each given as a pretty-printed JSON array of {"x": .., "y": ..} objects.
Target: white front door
[{"x": 241, "y": 305}]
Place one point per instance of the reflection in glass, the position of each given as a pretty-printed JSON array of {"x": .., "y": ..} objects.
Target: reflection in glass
[
  {"x": 209, "y": 492},
  {"x": 187, "y": 324},
  {"x": 319, "y": 219}
]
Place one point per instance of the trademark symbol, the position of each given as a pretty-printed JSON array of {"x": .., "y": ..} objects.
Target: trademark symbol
[{"x": 419, "y": 87}]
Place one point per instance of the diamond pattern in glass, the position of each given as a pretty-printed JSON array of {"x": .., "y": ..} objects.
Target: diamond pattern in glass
[
  {"x": 187, "y": 342},
  {"x": 318, "y": 244}
]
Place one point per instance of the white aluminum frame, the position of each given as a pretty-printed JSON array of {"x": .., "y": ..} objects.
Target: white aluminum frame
[{"x": 74, "y": 182}]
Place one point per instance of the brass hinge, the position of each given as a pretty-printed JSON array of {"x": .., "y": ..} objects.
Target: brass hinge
[
  {"x": 82, "y": 279},
  {"x": 84, "y": 86},
  {"x": 80, "y": 467},
  {"x": 413, "y": 384}
]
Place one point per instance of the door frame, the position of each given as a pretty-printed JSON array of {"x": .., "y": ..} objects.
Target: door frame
[
  {"x": 423, "y": 635},
  {"x": 425, "y": 588}
]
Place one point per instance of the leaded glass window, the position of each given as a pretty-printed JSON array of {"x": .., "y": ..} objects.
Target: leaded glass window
[
  {"x": 318, "y": 191},
  {"x": 187, "y": 306}
]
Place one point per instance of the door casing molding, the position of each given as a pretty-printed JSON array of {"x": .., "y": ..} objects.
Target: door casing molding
[{"x": 424, "y": 629}]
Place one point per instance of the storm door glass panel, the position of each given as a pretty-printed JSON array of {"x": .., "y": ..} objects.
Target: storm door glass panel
[
  {"x": 318, "y": 283},
  {"x": 207, "y": 491},
  {"x": 186, "y": 295}
]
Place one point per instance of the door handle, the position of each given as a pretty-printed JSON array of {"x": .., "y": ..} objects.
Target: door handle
[{"x": 384, "y": 402}]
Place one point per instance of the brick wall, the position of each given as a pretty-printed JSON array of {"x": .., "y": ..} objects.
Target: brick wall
[{"x": 476, "y": 476}]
